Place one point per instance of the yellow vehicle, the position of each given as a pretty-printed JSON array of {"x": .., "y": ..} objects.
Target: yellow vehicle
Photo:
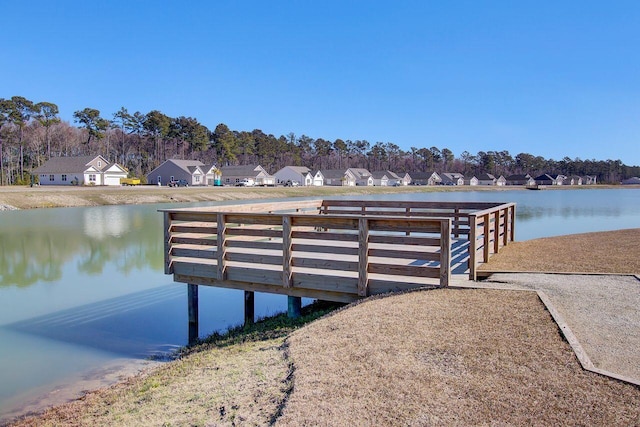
[{"x": 129, "y": 181}]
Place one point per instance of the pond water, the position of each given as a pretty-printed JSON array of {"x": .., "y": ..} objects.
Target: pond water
[{"x": 82, "y": 290}]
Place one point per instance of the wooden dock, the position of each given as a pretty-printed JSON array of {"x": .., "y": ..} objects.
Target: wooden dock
[{"x": 335, "y": 250}]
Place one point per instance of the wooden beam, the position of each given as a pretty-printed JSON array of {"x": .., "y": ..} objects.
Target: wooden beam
[
  {"x": 496, "y": 232},
  {"x": 445, "y": 253},
  {"x": 167, "y": 243},
  {"x": 363, "y": 257},
  {"x": 287, "y": 241},
  {"x": 222, "y": 247},
  {"x": 473, "y": 247}
]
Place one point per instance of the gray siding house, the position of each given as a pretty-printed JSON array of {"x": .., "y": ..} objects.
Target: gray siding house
[
  {"x": 255, "y": 174},
  {"x": 193, "y": 171}
]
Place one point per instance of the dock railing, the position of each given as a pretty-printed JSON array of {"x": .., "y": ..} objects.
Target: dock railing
[
  {"x": 489, "y": 230},
  {"x": 329, "y": 257},
  {"x": 338, "y": 250},
  {"x": 489, "y": 226}
]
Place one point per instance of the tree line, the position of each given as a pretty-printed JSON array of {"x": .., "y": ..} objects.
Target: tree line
[{"x": 32, "y": 132}]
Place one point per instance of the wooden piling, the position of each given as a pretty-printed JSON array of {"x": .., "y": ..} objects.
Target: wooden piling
[
  {"x": 249, "y": 307},
  {"x": 294, "y": 307},
  {"x": 192, "y": 301}
]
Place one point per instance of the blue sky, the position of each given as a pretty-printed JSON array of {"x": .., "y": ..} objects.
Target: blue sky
[{"x": 549, "y": 78}]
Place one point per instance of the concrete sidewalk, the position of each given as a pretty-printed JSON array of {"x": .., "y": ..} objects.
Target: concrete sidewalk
[{"x": 599, "y": 315}]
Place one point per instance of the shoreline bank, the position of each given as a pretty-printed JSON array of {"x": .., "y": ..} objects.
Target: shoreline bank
[{"x": 25, "y": 197}]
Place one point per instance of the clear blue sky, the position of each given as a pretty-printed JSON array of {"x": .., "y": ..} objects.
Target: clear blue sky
[{"x": 550, "y": 78}]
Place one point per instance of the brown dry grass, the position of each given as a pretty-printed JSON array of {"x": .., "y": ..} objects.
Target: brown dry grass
[
  {"x": 613, "y": 252},
  {"x": 447, "y": 357},
  {"x": 242, "y": 384}
]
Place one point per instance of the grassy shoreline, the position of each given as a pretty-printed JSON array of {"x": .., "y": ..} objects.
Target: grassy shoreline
[{"x": 25, "y": 197}]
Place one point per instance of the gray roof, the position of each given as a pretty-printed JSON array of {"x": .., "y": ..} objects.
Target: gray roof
[
  {"x": 393, "y": 175},
  {"x": 250, "y": 170},
  {"x": 300, "y": 169},
  {"x": 360, "y": 172},
  {"x": 380, "y": 174},
  {"x": 69, "y": 164},
  {"x": 486, "y": 177},
  {"x": 333, "y": 173},
  {"x": 186, "y": 164},
  {"x": 422, "y": 175}
]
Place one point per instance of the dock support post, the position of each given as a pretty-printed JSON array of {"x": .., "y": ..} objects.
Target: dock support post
[
  {"x": 249, "y": 308},
  {"x": 295, "y": 307},
  {"x": 192, "y": 297}
]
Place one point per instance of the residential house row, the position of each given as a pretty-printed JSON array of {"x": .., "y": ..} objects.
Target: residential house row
[{"x": 96, "y": 170}]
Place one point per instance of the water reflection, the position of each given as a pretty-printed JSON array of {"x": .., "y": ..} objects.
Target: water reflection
[
  {"x": 110, "y": 221},
  {"x": 35, "y": 245}
]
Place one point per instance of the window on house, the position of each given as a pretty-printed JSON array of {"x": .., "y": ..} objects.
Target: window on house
[
  {"x": 197, "y": 179},
  {"x": 171, "y": 178},
  {"x": 51, "y": 177},
  {"x": 64, "y": 178},
  {"x": 99, "y": 163},
  {"x": 92, "y": 178}
]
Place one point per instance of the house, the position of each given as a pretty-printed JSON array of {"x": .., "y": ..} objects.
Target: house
[
  {"x": 363, "y": 176},
  {"x": 380, "y": 179},
  {"x": 318, "y": 179},
  {"x": 486, "y": 179},
  {"x": 471, "y": 181},
  {"x": 256, "y": 174},
  {"x": 452, "y": 178},
  {"x": 547, "y": 179},
  {"x": 520, "y": 179},
  {"x": 501, "y": 181},
  {"x": 339, "y": 177},
  {"x": 425, "y": 178},
  {"x": 631, "y": 181},
  {"x": 400, "y": 179},
  {"x": 85, "y": 170},
  {"x": 589, "y": 180},
  {"x": 300, "y": 174},
  {"x": 194, "y": 172},
  {"x": 573, "y": 180},
  {"x": 213, "y": 175}
]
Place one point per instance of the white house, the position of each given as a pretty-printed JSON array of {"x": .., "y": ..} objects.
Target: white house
[
  {"x": 486, "y": 179},
  {"x": 381, "y": 179},
  {"x": 452, "y": 178},
  {"x": 404, "y": 179},
  {"x": 425, "y": 178},
  {"x": 363, "y": 176},
  {"x": 301, "y": 174},
  {"x": 471, "y": 180},
  {"x": 339, "y": 177},
  {"x": 85, "y": 170},
  {"x": 318, "y": 179}
]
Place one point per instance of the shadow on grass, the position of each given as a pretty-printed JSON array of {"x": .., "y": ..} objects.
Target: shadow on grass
[{"x": 268, "y": 328}]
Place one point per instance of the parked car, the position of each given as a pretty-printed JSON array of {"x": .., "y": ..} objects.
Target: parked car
[
  {"x": 291, "y": 183},
  {"x": 244, "y": 183},
  {"x": 178, "y": 183}
]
